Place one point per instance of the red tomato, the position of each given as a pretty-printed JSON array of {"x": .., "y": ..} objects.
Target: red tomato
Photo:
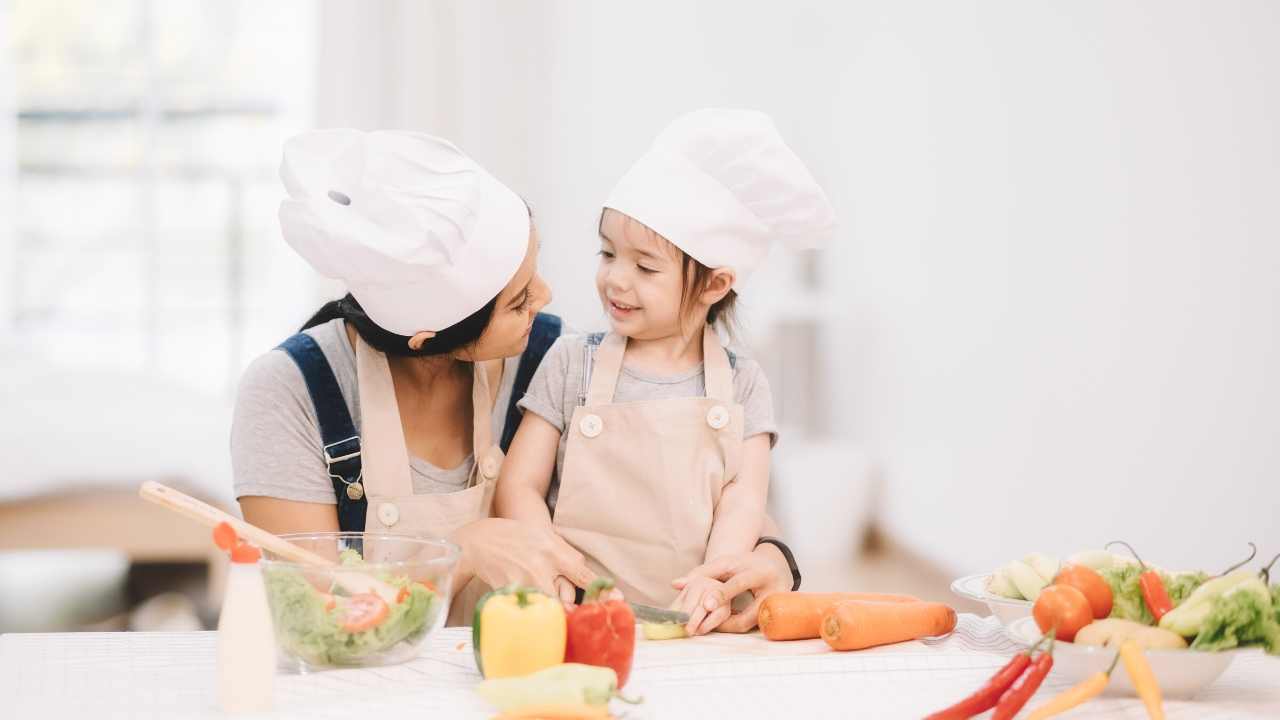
[
  {"x": 1063, "y": 607},
  {"x": 364, "y": 611},
  {"x": 1086, "y": 580}
]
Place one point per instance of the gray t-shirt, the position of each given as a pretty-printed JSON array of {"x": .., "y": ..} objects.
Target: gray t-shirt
[
  {"x": 276, "y": 450},
  {"x": 560, "y": 385}
]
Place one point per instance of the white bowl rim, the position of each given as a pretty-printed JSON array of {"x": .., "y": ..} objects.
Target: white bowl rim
[
  {"x": 450, "y": 557},
  {"x": 958, "y": 587},
  {"x": 1016, "y": 634}
]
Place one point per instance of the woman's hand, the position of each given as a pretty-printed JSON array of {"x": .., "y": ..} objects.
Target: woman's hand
[
  {"x": 762, "y": 572},
  {"x": 503, "y": 552}
]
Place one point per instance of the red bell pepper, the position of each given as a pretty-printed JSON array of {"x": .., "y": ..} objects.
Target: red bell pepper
[{"x": 602, "y": 633}]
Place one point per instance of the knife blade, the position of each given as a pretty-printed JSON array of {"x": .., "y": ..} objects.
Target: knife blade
[{"x": 648, "y": 614}]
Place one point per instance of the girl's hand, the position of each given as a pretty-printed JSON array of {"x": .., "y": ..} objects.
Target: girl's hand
[
  {"x": 761, "y": 572},
  {"x": 706, "y": 602},
  {"x": 503, "y": 552}
]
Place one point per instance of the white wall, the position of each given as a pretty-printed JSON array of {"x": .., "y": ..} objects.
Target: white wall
[{"x": 1059, "y": 258}]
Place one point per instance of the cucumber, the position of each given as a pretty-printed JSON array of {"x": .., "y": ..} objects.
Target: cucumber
[{"x": 1001, "y": 585}]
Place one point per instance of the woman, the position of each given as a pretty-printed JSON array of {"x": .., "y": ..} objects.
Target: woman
[{"x": 393, "y": 409}]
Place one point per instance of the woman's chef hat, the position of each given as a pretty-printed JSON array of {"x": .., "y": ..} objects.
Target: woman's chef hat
[
  {"x": 421, "y": 234},
  {"x": 722, "y": 185}
]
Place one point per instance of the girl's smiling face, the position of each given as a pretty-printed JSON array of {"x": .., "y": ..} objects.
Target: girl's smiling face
[{"x": 640, "y": 279}]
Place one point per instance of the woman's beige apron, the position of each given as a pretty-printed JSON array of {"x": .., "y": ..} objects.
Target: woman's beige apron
[
  {"x": 388, "y": 485},
  {"x": 641, "y": 480}
]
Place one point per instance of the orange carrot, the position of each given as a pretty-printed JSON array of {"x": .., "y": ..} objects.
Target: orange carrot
[
  {"x": 798, "y": 616},
  {"x": 857, "y": 624}
]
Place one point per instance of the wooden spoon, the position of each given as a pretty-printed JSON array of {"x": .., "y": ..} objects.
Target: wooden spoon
[{"x": 209, "y": 516}]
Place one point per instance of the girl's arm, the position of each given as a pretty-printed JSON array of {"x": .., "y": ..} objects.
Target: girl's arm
[
  {"x": 740, "y": 514},
  {"x": 526, "y": 472}
]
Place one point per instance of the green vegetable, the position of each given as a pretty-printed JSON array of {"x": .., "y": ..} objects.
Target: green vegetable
[
  {"x": 567, "y": 684},
  {"x": 1025, "y": 578},
  {"x": 1243, "y": 615},
  {"x": 1188, "y": 618},
  {"x": 1181, "y": 585},
  {"x": 1126, "y": 594},
  {"x": 305, "y": 628},
  {"x": 350, "y": 556}
]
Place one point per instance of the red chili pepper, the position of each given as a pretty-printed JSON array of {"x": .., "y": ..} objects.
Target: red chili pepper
[
  {"x": 1018, "y": 695},
  {"x": 985, "y": 697},
  {"x": 1152, "y": 586},
  {"x": 602, "y": 633}
]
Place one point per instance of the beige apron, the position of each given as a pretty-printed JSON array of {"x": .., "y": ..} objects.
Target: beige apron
[
  {"x": 388, "y": 485},
  {"x": 641, "y": 480}
]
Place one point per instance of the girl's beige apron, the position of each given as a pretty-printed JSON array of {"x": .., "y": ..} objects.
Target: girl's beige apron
[
  {"x": 393, "y": 506},
  {"x": 641, "y": 480}
]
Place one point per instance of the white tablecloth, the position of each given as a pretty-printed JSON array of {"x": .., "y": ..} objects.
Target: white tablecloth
[{"x": 172, "y": 675}]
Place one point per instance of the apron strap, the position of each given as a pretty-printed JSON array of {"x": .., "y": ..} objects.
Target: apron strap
[
  {"x": 337, "y": 431},
  {"x": 386, "y": 458},
  {"x": 605, "y": 369},
  {"x": 719, "y": 375}
]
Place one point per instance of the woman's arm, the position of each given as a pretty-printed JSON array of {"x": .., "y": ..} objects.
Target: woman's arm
[
  {"x": 278, "y": 516},
  {"x": 739, "y": 516},
  {"x": 526, "y": 472}
]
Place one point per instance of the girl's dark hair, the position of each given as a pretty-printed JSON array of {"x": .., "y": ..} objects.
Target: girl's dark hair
[
  {"x": 454, "y": 337},
  {"x": 697, "y": 277}
]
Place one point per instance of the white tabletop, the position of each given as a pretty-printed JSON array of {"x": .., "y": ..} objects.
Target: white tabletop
[{"x": 172, "y": 675}]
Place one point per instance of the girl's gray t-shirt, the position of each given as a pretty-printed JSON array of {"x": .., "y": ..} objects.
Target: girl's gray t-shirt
[
  {"x": 276, "y": 449},
  {"x": 560, "y": 385}
]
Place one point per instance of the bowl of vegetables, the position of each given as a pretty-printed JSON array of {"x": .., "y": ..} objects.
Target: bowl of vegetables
[
  {"x": 374, "y": 605},
  {"x": 1176, "y": 632}
]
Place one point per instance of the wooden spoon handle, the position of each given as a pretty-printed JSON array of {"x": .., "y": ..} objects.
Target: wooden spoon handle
[{"x": 210, "y": 516}]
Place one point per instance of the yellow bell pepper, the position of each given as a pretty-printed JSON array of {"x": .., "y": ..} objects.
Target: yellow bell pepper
[{"x": 517, "y": 631}]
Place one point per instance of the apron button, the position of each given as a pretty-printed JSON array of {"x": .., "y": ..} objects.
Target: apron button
[
  {"x": 389, "y": 514},
  {"x": 489, "y": 468},
  {"x": 591, "y": 426},
  {"x": 718, "y": 417}
]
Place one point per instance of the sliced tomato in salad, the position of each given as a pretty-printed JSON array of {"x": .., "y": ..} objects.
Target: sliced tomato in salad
[
  {"x": 364, "y": 611},
  {"x": 405, "y": 592}
]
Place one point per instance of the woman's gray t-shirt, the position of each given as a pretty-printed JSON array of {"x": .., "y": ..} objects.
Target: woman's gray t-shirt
[
  {"x": 560, "y": 385},
  {"x": 276, "y": 450}
]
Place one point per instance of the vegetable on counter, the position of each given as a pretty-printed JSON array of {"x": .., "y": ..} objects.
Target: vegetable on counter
[
  {"x": 1015, "y": 697},
  {"x": 1143, "y": 679},
  {"x": 1062, "y": 609},
  {"x": 1114, "y": 631},
  {"x": 1090, "y": 583},
  {"x": 663, "y": 631},
  {"x": 798, "y": 615},
  {"x": 517, "y": 631},
  {"x": 986, "y": 697},
  {"x": 571, "y": 685},
  {"x": 1076, "y": 695},
  {"x": 1154, "y": 593},
  {"x": 602, "y": 632},
  {"x": 859, "y": 624}
]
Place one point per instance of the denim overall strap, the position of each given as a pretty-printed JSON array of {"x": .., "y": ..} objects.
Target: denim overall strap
[
  {"x": 337, "y": 432},
  {"x": 546, "y": 328}
]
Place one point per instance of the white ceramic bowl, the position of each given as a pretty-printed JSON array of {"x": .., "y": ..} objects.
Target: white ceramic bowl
[
  {"x": 1181, "y": 673},
  {"x": 1005, "y": 609}
]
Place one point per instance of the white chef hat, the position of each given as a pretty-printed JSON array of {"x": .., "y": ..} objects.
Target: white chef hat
[
  {"x": 722, "y": 185},
  {"x": 419, "y": 232}
]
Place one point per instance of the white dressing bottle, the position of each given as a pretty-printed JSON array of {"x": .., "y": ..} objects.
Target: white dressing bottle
[{"x": 246, "y": 642}]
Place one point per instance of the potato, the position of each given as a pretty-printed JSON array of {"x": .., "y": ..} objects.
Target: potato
[{"x": 1113, "y": 631}]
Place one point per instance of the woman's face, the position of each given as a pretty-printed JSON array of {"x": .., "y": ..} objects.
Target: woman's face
[{"x": 507, "y": 333}]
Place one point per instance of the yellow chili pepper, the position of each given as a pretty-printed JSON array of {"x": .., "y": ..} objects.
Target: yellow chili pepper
[
  {"x": 1077, "y": 695},
  {"x": 516, "y": 632},
  {"x": 1144, "y": 681}
]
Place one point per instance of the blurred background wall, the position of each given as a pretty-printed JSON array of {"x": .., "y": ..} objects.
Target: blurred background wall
[{"x": 1047, "y": 320}]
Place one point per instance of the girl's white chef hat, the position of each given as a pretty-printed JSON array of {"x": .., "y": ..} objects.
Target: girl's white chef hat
[
  {"x": 419, "y": 232},
  {"x": 722, "y": 185}
]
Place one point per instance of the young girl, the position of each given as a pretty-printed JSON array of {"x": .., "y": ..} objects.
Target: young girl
[{"x": 648, "y": 448}]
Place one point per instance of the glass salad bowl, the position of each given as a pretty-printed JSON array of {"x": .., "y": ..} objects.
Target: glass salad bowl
[{"x": 375, "y": 606}]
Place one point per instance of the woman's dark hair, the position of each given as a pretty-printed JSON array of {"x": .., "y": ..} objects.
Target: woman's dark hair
[{"x": 454, "y": 337}]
